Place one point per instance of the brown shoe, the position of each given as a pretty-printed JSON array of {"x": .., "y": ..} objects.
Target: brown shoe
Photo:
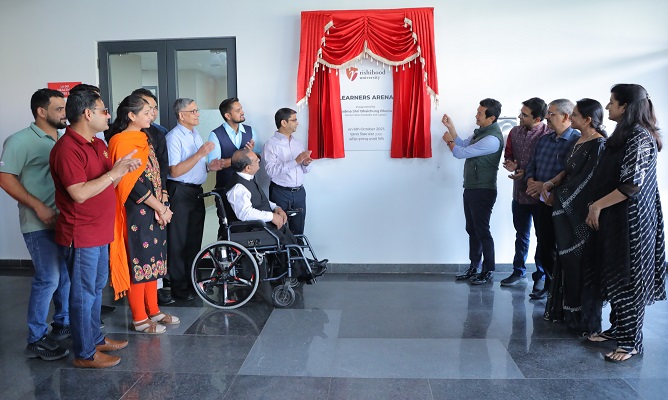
[
  {"x": 111, "y": 345},
  {"x": 100, "y": 360}
]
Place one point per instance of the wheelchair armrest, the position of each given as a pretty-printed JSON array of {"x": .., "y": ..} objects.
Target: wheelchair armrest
[{"x": 245, "y": 225}]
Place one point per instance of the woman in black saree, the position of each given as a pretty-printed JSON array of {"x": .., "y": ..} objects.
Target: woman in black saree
[{"x": 567, "y": 299}]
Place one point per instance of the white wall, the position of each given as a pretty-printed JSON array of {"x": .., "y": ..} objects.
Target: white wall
[{"x": 366, "y": 208}]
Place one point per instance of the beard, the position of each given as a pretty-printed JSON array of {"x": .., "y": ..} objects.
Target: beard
[
  {"x": 239, "y": 120},
  {"x": 56, "y": 123}
]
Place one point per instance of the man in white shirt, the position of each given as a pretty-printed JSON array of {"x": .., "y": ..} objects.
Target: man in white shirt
[
  {"x": 286, "y": 161},
  {"x": 248, "y": 202}
]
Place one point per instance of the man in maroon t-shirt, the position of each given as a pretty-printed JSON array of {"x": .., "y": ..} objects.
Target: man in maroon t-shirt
[{"x": 84, "y": 179}]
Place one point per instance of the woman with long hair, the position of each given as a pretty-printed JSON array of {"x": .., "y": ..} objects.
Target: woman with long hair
[
  {"x": 569, "y": 196},
  {"x": 138, "y": 254},
  {"x": 626, "y": 212}
]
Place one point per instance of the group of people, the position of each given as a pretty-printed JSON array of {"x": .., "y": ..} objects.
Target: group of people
[
  {"x": 594, "y": 203},
  {"x": 129, "y": 212},
  {"x": 132, "y": 210}
]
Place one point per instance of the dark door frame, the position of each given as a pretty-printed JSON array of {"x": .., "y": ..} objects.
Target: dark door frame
[{"x": 166, "y": 50}]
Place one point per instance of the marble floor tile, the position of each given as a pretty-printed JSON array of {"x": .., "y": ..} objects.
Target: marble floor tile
[
  {"x": 72, "y": 383},
  {"x": 178, "y": 386},
  {"x": 278, "y": 387},
  {"x": 379, "y": 389},
  {"x": 349, "y": 336},
  {"x": 538, "y": 389}
]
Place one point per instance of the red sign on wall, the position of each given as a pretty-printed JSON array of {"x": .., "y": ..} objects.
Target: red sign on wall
[{"x": 63, "y": 87}]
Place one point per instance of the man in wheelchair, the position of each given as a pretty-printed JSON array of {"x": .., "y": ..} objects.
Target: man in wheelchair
[{"x": 246, "y": 201}]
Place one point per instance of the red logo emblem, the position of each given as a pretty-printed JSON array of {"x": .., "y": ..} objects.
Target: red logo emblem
[{"x": 351, "y": 73}]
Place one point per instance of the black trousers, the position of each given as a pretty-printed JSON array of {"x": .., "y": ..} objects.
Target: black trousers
[
  {"x": 184, "y": 233},
  {"x": 478, "y": 204},
  {"x": 547, "y": 245}
]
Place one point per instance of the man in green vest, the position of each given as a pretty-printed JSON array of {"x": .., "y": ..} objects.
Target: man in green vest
[{"x": 482, "y": 152}]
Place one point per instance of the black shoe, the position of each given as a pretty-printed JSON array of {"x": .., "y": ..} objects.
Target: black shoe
[
  {"x": 46, "y": 349},
  {"x": 482, "y": 278},
  {"x": 319, "y": 267},
  {"x": 165, "y": 298},
  {"x": 538, "y": 285},
  {"x": 107, "y": 309},
  {"x": 470, "y": 273},
  {"x": 513, "y": 280},
  {"x": 309, "y": 279},
  {"x": 60, "y": 332},
  {"x": 187, "y": 296},
  {"x": 541, "y": 294}
]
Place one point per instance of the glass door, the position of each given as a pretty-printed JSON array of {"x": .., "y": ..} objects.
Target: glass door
[{"x": 202, "y": 69}]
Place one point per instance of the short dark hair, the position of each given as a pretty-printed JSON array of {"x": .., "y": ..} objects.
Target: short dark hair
[
  {"x": 78, "y": 102},
  {"x": 493, "y": 108},
  {"x": 226, "y": 106},
  {"x": 143, "y": 92},
  {"x": 240, "y": 159},
  {"x": 84, "y": 86},
  {"x": 42, "y": 99},
  {"x": 283, "y": 114},
  {"x": 537, "y": 106}
]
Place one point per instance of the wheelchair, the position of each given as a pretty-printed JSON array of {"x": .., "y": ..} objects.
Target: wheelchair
[{"x": 226, "y": 274}]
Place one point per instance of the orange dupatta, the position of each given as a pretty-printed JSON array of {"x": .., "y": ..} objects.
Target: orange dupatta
[{"x": 120, "y": 145}]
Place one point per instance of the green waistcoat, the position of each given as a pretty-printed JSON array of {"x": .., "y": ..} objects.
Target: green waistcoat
[{"x": 480, "y": 172}]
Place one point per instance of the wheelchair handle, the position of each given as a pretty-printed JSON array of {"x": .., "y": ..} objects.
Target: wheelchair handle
[
  {"x": 220, "y": 208},
  {"x": 207, "y": 194}
]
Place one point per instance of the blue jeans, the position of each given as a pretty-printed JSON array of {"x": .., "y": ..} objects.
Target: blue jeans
[
  {"x": 51, "y": 281},
  {"x": 89, "y": 269},
  {"x": 289, "y": 200},
  {"x": 522, "y": 216}
]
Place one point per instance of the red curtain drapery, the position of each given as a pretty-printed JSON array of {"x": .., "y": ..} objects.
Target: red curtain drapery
[{"x": 333, "y": 40}]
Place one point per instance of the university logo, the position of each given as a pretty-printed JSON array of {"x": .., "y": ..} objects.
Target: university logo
[{"x": 351, "y": 73}]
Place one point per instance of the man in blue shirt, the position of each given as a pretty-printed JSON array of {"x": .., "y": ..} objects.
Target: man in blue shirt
[
  {"x": 482, "y": 152},
  {"x": 187, "y": 172},
  {"x": 548, "y": 161}
]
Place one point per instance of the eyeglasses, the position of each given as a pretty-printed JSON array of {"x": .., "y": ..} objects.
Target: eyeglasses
[
  {"x": 193, "y": 112},
  {"x": 105, "y": 111}
]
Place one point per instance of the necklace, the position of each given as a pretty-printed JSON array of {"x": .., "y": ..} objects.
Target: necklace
[{"x": 577, "y": 146}]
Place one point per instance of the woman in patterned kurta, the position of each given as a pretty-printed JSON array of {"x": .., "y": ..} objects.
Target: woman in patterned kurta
[
  {"x": 139, "y": 251},
  {"x": 630, "y": 249}
]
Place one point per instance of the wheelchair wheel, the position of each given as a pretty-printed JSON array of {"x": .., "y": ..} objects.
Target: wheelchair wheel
[
  {"x": 283, "y": 296},
  {"x": 225, "y": 275}
]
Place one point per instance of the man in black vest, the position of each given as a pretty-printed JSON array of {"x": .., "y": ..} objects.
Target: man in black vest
[
  {"x": 482, "y": 152},
  {"x": 229, "y": 137},
  {"x": 248, "y": 202}
]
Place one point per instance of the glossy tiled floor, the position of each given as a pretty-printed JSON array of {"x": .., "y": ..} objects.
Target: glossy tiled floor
[{"x": 350, "y": 336}]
